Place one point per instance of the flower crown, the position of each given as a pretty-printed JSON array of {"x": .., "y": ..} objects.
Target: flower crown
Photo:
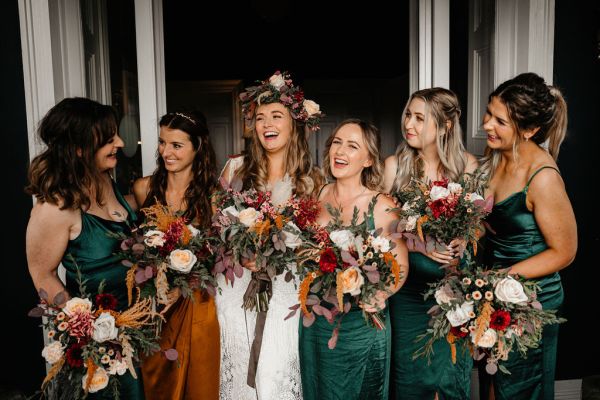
[{"x": 279, "y": 88}]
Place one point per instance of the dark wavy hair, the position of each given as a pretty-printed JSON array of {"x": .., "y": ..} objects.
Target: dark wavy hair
[
  {"x": 371, "y": 177},
  {"x": 204, "y": 182},
  {"x": 66, "y": 173}
]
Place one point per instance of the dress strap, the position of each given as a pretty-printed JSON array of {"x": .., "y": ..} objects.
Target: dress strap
[
  {"x": 536, "y": 172},
  {"x": 321, "y": 190}
]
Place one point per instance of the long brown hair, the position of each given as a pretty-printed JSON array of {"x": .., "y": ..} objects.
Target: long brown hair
[
  {"x": 66, "y": 173},
  {"x": 198, "y": 193}
]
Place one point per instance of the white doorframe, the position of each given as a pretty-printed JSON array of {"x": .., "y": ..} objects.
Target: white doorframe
[
  {"x": 429, "y": 44},
  {"x": 151, "y": 76}
]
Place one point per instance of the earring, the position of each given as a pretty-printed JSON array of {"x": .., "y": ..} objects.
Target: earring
[{"x": 527, "y": 139}]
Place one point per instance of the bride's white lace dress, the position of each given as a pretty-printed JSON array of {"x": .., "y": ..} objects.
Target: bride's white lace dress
[{"x": 278, "y": 372}]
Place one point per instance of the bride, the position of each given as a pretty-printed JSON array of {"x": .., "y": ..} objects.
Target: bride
[{"x": 279, "y": 119}]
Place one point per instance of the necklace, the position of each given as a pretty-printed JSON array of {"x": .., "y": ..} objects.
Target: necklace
[{"x": 352, "y": 198}]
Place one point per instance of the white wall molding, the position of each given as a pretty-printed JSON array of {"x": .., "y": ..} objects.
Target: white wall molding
[
  {"x": 151, "y": 76},
  {"x": 429, "y": 44}
]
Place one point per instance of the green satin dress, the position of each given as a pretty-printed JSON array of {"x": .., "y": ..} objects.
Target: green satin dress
[
  {"x": 358, "y": 367},
  {"x": 423, "y": 378},
  {"x": 516, "y": 237},
  {"x": 93, "y": 251}
]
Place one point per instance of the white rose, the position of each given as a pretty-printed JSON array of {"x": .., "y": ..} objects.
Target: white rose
[
  {"x": 77, "y": 305},
  {"x": 342, "y": 239},
  {"x": 311, "y": 107},
  {"x": 510, "y": 290},
  {"x": 182, "y": 260},
  {"x": 292, "y": 236},
  {"x": 438, "y": 192},
  {"x": 104, "y": 328},
  {"x": 444, "y": 295},
  {"x": 154, "y": 238},
  {"x": 381, "y": 244},
  {"x": 474, "y": 196},
  {"x": 231, "y": 210},
  {"x": 454, "y": 188},
  {"x": 411, "y": 223},
  {"x": 352, "y": 280},
  {"x": 117, "y": 367},
  {"x": 487, "y": 340},
  {"x": 277, "y": 81},
  {"x": 53, "y": 352},
  {"x": 460, "y": 314},
  {"x": 99, "y": 380},
  {"x": 195, "y": 232},
  {"x": 248, "y": 217}
]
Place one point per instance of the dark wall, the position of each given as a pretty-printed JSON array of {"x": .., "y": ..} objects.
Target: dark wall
[
  {"x": 21, "y": 337},
  {"x": 577, "y": 74}
]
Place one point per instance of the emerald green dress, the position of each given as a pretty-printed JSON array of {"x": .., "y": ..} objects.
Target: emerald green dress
[
  {"x": 516, "y": 237},
  {"x": 423, "y": 378},
  {"x": 93, "y": 252},
  {"x": 357, "y": 368}
]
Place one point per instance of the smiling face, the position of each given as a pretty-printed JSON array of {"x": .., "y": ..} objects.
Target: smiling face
[
  {"x": 501, "y": 132},
  {"x": 106, "y": 156},
  {"x": 348, "y": 153},
  {"x": 273, "y": 126},
  {"x": 176, "y": 149},
  {"x": 421, "y": 131}
]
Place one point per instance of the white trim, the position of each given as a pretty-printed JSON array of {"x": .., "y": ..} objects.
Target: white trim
[
  {"x": 151, "y": 77},
  {"x": 36, "y": 46},
  {"x": 68, "y": 60},
  {"x": 429, "y": 44},
  {"x": 524, "y": 39}
]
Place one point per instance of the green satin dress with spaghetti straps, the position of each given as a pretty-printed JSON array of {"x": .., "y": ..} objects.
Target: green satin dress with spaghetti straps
[
  {"x": 358, "y": 367},
  {"x": 423, "y": 377},
  {"x": 514, "y": 237},
  {"x": 92, "y": 252}
]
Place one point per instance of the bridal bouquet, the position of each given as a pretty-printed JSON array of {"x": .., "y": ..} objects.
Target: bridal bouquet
[
  {"x": 432, "y": 215},
  {"x": 167, "y": 253},
  {"x": 489, "y": 311},
  {"x": 90, "y": 343},
  {"x": 267, "y": 227},
  {"x": 347, "y": 267}
]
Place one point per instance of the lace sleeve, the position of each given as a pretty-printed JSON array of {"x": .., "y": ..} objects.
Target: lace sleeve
[{"x": 231, "y": 167}]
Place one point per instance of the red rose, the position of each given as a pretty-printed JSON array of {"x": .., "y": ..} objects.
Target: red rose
[
  {"x": 456, "y": 331},
  {"x": 500, "y": 320},
  {"x": 328, "y": 260},
  {"x": 75, "y": 355},
  {"x": 106, "y": 301},
  {"x": 443, "y": 183}
]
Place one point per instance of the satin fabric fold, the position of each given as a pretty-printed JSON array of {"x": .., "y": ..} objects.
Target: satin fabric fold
[{"x": 193, "y": 330}]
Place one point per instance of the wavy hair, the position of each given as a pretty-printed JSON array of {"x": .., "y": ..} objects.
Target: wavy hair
[
  {"x": 198, "y": 193},
  {"x": 442, "y": 106},
  {"x": 372, "y": 176},
  {"x": 530, "y": 103},
  {"x": 298, "y": 161},
  {"x": 66, "y": 172}
]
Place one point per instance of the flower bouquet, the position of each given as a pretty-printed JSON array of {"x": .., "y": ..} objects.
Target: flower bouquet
[
  {"x": 432, "y": 215},
  {"x": 89, "y": 343},
  {"x": 266, "y": 226},
  {"x": 166, "y": 253},
  {"x": 348, "y": 266},
  {"x": 489, "y": 311}
]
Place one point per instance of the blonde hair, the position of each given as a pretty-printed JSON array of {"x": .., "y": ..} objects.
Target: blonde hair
[
  {"x": 530, "y": 103},
  {"x": 298, "y": 162},
  {"x": 442, "y": 105},
  {"x": 371, "y": 177}
]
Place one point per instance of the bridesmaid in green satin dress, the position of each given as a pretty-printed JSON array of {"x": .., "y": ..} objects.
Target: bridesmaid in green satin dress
[
  {"x": 532, "y": 226},
  {"x": 358, "y": 367},
  {"x": 432, "y": 150},
  {"x": 77, "y": 207}
]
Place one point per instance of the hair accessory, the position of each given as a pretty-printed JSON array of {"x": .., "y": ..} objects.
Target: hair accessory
[
  {"x": 279, "y": 88},
  {"x": 186, "y": 117}
]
